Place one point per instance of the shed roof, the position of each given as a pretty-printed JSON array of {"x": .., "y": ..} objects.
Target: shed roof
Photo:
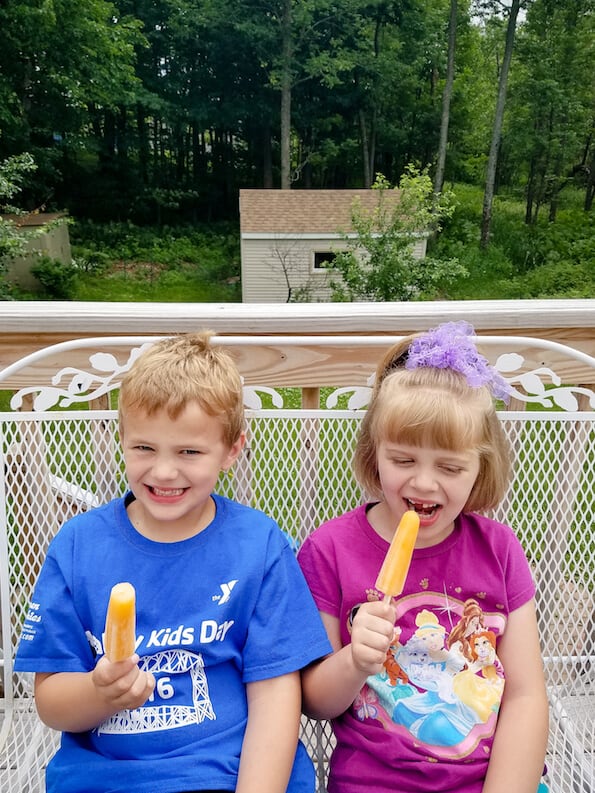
[
  {"x": 304, "y": 211},
  {"x": 34, "y": 218}
]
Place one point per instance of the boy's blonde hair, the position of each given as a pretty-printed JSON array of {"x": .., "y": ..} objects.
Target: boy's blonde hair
[
  {"x": 433, "y": 407},
  {"x": 186, "y": 368}
]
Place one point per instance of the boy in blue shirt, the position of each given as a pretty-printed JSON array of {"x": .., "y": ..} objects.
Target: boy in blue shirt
[{"x": 210, "y": 701}]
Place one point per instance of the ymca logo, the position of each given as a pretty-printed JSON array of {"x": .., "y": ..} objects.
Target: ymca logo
[{"x": 225, "y": 592}]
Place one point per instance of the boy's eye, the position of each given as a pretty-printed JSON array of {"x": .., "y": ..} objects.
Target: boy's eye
[
  {"x": 190, "y": 451},
  {"x": 142, "y": 448}
]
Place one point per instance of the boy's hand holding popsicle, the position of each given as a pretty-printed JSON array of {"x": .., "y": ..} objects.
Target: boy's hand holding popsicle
[
  {"x": 373, "y": 627},
  {"x": 117, "y": 676}
]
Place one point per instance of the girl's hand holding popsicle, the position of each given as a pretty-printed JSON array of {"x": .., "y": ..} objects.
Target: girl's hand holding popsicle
[
  {"x": 372, "y": 632},
  {"x": 373, "y": 626}
]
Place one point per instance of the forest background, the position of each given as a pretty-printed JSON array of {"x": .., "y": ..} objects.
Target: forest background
[{"x": 144, "y": 119}]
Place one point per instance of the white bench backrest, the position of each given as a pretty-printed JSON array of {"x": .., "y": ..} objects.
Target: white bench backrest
[{"x": 62, "y": 457}]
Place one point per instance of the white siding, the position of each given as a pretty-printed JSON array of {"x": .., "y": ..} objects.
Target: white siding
[
  {"x": 270, "y": 267},
  {"x": 274, "y": 264},
  {"x": 420, "y": 246}
]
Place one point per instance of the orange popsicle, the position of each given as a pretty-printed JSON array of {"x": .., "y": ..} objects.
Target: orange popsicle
[
  {"x": 120, "y": 624},
  {"x": 392, "y": 575}
]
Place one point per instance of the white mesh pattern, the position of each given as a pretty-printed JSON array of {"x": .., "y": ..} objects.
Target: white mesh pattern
[
  {"x": 30, "y": 745},
  {"x": 297, "y": 467},
  {"x": 53, "y": 468}
]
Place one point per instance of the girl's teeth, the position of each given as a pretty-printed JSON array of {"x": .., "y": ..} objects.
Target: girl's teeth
[{"x": 423, "y": 509}]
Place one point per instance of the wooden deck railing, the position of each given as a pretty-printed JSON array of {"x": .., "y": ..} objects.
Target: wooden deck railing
[{"x": 28, "y": 327}]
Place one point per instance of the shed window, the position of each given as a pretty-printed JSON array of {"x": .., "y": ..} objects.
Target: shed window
[{"x": 323, "y": 260}]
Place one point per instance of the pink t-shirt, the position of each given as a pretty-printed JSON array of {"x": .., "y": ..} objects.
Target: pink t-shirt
[{"x": 426, "y": 723}]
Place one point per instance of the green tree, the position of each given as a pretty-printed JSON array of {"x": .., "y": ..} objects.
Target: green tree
[
  {"x": 550, "y": 130},
  {"x": 378, "y": 264},
  {"x": 446, "y": 97},
  {"x": 61, "y": 61},
  {"x": 13, "y": 238},
  {"x": 297, "y": 42},
  {"x": 490, "y": 181}
]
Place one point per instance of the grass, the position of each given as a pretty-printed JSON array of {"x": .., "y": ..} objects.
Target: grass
[
  {"x": 139, "y": 283},
  {"x": 122, "y": 262}
]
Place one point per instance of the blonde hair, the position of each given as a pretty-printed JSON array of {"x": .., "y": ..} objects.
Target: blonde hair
[
  {"x": 433, "y": 407},
  {"x": 186, "y": 368}
]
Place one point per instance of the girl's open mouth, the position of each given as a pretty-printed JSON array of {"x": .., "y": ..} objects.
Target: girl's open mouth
[{"x": 423, "y": 510}]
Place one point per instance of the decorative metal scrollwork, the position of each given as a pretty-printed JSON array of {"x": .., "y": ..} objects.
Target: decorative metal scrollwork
[{"x": 538, "y": 386}]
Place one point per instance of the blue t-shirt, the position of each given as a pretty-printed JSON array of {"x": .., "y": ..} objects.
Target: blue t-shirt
[{"x": 214, "y": 612}]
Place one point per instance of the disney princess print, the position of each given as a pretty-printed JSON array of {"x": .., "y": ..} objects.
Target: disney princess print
[{"x": 442, "y": 687}]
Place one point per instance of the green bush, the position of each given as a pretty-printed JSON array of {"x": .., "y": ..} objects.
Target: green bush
[
  {"x": 559, "y": 279},
  {"x": 545, "y": 260},
  {"x": 57, "y": 278}
]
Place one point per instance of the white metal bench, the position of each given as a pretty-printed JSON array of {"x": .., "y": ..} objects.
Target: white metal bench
[{"x": 59, "y": 455}]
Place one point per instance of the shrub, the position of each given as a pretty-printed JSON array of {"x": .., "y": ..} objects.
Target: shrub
[{"x": 57, "y": 278}]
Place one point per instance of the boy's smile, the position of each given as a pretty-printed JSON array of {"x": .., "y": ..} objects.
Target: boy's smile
[{"x": 172, "y": 467}]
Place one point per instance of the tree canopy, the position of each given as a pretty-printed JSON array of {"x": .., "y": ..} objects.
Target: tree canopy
[{"x": 159, "y": 110}]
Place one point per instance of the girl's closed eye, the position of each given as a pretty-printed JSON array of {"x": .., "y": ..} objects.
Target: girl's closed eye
[
  {"x": 457, "y": 464},
  {"x": 453, "y": 469}
]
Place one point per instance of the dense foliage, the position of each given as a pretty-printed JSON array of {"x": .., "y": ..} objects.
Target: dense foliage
[{"x": 157, "y": 113}]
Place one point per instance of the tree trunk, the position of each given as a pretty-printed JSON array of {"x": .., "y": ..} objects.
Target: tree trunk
[
  {"x": 557, "y": 182},
  {"x": 553, "y": 206},
  {"x": 267, "y": 158},
  {"x": 287, "y": 54},
  {"x": 372, "y": 142},
  {"x": 143, "y": 144},
  {"x": 365, "y": 148},
  {"x": 446, "y": 97},
  {"x": 488, "y": 197},
  {"x": 530, "y": 193},
  {"x": 590, "y": 188}
]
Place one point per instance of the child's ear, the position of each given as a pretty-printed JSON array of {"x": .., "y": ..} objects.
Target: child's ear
[{"x": 234, "y": 451}]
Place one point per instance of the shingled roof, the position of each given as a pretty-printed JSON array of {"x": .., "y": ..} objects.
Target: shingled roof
[{"x": 304, "y": 211}]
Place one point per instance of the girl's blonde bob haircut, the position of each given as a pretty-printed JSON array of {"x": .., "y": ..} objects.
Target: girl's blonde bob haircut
[
  {"x": 439, "y": 409},
  {"x": 176, "y": 371}
]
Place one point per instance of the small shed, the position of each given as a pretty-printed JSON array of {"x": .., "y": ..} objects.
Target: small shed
[
  {"x": 289, "y": 237},
  {"x": 52, "y": 241}
]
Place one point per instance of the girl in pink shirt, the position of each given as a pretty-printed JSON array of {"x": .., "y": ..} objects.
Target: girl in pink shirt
[{"x": 422, "y": 698}]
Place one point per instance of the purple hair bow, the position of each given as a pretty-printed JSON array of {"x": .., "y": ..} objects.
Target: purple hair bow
[{"x": 450, "y": 346}]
